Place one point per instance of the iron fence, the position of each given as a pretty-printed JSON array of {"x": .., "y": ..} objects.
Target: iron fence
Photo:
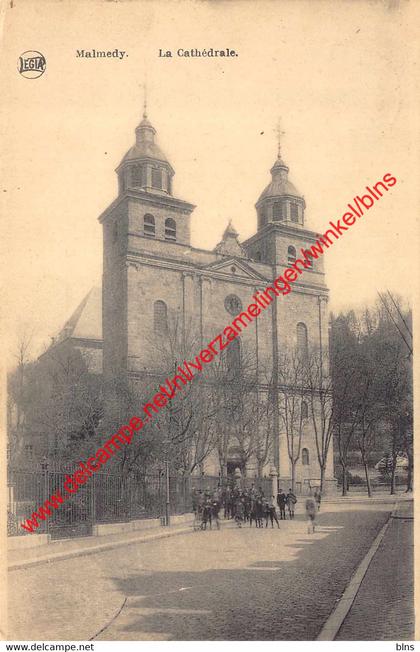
[{"x": 105, "y": 498}]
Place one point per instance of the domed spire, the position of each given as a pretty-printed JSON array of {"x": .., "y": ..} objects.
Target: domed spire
[
  {"x": 280, "y": 184},
  {"x": 145, "y": 166},
  {"x": 280, "y": 201},
  {"x": 145, "y": 131}
]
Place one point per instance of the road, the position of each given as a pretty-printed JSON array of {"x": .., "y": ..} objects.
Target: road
[{"x": 232, "y": 584}]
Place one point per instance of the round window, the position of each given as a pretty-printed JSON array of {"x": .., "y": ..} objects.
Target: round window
[{"x": 233, "y": 304}]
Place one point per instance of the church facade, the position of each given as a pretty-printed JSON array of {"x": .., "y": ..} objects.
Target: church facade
[{"x": 152, "y": 274}]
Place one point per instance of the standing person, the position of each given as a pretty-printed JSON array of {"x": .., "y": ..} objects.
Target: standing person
[
  {"x": 247, "y": 505},
  {"x": 281, "y": 502},
  {"x": 239, "y": 512},
  {"x": 215, "y": 507},
  {"x": 311, "y": 511},
  {"x": 291, "y": 501},
  {"x": 270, "y": 512},
  {"x": 266, "y": 508},
  {"x": 206, "y": 515},
  {"x": 318, "y": 497},
  {"x": 259, "y": 512},
  {"x": 227, "y": 498},
  {"x": 253, "y": 513}
]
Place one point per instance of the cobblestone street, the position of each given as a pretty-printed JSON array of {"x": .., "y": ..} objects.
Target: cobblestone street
[{"x": 232, "y": 584}]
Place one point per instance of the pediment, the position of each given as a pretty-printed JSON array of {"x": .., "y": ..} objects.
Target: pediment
[{"x": 235, "y": 267}]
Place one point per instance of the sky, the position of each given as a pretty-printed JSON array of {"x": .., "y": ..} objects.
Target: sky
[{"x": 340, "y": 81}]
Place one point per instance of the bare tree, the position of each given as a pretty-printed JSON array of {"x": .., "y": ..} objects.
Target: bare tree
[
  {"x": 387, "y": 397},
  {"x": 186, "y": 425},
  {"x": 238, "y": 406},
  {"x": 320, "y": 395},
  {"x": 292, "y": 390},
  {"x": 348, "y": 381},
  {"x": 264, "y": 430}
]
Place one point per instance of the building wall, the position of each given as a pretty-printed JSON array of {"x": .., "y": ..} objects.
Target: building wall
[
  {"x": 138, "y": 209},
  {"x": 193, "y": 283}
]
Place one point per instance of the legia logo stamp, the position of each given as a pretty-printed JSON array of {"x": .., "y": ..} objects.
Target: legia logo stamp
[{"x": 32, "y": 64}]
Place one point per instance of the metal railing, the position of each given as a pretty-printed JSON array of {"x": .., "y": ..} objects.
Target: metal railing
[{"x": 105, "y": 498}]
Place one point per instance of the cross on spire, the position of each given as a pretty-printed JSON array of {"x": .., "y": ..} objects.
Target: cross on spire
[
  {"x": 145, "y": 99},
  {"x": 280, "y": 133}
]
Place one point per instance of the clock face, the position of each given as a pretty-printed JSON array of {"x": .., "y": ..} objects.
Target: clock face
[{"x": 233, "y": 304}]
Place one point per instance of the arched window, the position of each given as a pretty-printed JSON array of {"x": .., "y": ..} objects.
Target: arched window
[
  {"x": 160, "y": 317},
  {"x": 304, "y": 410},
  {"x": 149, "y": 225},
  {"x": 137, "y": 175},
  {"x": 233, "y": 359},
  {"x": 291, "y": 255},
  {"x": 258, "y": 256},
  {"x": 170, "y": 229},
  {"x": 294, "y": 212},
  {"x": 302, "y": 339},
  {"x": 277, "y": 212},
  {"x": 305, "y": 457},
  {"x": 157, "y": 178}
]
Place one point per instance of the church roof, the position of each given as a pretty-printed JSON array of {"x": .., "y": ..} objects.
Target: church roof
[
  {"x": 279, "y": 187},
  {"x": 145, "y": 146},
  {"x": 86, "y": 321},
  {"x": 280, "y": 184},
  {"x": 145, "y": 150}
]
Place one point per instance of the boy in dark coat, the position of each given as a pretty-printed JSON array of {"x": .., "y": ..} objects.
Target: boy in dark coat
[
  {"x": 270, "y": 512},
  {"x": 281, "y": 502}
]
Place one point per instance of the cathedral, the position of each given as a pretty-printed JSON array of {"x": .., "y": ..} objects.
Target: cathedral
[
  {"x": 152, "y": 272},
  {"x": 154, "y": 280}
]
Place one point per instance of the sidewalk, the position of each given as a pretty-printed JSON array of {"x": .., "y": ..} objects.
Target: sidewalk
[
  {"x": 384, "y": 605},
  {"x": 377, "y": 497},
  {"x": 67, "y": 548}
]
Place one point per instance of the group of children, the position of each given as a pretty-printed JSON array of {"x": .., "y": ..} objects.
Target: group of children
[{"x": 248, "y": 505}]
